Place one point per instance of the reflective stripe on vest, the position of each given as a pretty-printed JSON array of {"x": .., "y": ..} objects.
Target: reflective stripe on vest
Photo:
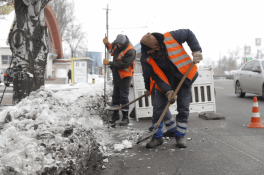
[
  {"x": 128, "y": 72},
  {"x": 157, "y": 70},
  {"x": 111, "y": 50},
  {"x": 179, "y": 56}
]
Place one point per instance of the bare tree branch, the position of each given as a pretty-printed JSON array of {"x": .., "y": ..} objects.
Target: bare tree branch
[
  {"x": 76, "y": 39},
  {"x": 64, "y": 11}
]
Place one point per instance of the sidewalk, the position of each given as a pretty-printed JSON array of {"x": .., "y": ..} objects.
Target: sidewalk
[{"x": 56, "y": 81}]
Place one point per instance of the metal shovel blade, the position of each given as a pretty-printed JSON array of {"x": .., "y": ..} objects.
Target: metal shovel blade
[
  {"x": 147, "y": 136},
  {"x": 112, "y": 108}
]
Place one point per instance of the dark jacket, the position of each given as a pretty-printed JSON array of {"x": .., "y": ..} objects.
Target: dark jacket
[
  {"x": 69, "y": 74},
  {"x": 167, "y": 67},
  {"x": 125, "y": 62}
]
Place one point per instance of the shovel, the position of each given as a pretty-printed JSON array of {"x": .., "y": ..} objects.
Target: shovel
[
  {"x": 149, "y": 135},
  {"x": 122, "y": 107},
  {"x": 117, "y": 108}
]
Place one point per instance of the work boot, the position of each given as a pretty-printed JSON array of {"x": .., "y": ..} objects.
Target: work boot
[
  {"x": 154, "y": 142},
  {"x": 169, "y": 134},
  {"x": 180, "y": 142},
  {"x": 115, "y": 117},
  {"x": 150, "y": 128},
  {"x": 125, "y": 119},
  {"x": 132, "y": 113}
]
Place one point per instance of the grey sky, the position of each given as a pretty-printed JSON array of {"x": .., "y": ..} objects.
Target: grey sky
[{"x": 218, "y": 25}]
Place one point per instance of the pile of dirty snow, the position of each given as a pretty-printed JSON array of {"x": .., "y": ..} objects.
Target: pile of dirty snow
[{"x": 51, "y": 132}]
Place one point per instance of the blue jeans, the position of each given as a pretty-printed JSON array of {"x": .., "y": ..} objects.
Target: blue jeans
[
  {"x": 183, "y": 103},
  {"x": 120, "y": 96}
]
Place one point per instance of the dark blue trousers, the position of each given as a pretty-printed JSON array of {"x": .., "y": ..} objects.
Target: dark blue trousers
[
  {"x": 183, "y": 103},
  {"x": 120, "y": 96}
]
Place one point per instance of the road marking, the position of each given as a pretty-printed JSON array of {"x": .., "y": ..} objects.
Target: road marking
[
  {"x": 219, "y": 88},
  {"x": 258, "y": 160}
]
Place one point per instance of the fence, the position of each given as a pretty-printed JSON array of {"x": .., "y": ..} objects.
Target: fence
[{"x": 203, "y": 97}]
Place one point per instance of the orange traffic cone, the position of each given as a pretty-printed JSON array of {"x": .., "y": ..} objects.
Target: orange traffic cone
[{"x": 255, "y": 119}]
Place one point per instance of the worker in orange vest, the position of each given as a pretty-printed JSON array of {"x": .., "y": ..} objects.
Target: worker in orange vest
[
  {"x": 122, "y": 68},
  {"x": 165, "y": 60}
]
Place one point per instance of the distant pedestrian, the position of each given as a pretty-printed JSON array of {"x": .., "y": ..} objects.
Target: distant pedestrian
[{"x": 69, "y": 76}]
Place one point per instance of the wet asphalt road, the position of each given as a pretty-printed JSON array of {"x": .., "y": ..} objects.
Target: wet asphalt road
[
  {"x": 7, "y": 96},
  {"x": 218, "y": 147}
]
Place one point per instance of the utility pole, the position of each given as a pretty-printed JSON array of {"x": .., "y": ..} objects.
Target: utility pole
[
  {"x": 107, "y": 22},
  {"x": 106, "y": 72},
  {"x": 107, "y": 35}
]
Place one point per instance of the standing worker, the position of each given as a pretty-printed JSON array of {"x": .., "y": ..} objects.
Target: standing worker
[
  {"x": 122, "y": 68},
  {"x": 165, "y": 60}
]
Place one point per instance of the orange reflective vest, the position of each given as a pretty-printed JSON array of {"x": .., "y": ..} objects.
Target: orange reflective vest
[
  {"x": 159, "y": 72},
  {"x": 152, "y": 83},
  {"x": 179, "y": 56},
  {"x": 128, "y": 72},
  {"x": 111, "y": 49}
]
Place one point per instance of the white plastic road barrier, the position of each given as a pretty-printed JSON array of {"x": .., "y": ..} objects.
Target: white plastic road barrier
[{"x": 203, "y": 97}]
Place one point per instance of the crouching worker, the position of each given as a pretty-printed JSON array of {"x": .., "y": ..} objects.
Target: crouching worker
[
  {"x": 165, "y": 60},
  {"x": 122, "y": 68}
]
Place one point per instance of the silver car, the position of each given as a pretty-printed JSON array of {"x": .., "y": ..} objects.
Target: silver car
[{"x": 250, "y": 78}]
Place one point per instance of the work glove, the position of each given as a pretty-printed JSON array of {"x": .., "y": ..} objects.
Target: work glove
[
  {"x": 197, "y": 56},
  {"x": 105, "y": 40},
  {"x": 169, "y": 97},
  {"x": 147, "y": 93},
  {"x": 106, "y": 62}
]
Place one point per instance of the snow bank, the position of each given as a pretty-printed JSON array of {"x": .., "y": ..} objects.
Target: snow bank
[{"x": 49, "y": 130}]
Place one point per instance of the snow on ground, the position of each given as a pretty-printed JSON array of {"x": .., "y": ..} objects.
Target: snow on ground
[{"x": 45, "y": 129}]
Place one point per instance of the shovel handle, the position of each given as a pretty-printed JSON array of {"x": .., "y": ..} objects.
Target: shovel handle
[
  {"x": 133, "y": 101},
  {"x": 173, "y": 95}
]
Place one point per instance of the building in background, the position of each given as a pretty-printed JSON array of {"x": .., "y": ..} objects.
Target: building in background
[
  {"x": 96, "y": 66},
  {"x": 5, "y": 56}
]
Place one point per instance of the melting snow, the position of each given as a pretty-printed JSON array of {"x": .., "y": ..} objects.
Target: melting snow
[
  {"x": 125, "y": 144},
  {"x": 37, "y": 125}
]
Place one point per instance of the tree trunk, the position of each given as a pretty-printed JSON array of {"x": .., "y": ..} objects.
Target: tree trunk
[{"x": 28, "y": 43}]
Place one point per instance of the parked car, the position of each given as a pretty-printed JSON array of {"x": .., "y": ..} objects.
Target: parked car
[
  {"x": 8, "y": 76},
  {"x": 250, "y": 78},
  {"x": 2, "y": 71}
]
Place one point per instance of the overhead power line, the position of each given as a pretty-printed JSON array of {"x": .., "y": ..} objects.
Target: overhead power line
[{"x": 129, "y": 27}]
